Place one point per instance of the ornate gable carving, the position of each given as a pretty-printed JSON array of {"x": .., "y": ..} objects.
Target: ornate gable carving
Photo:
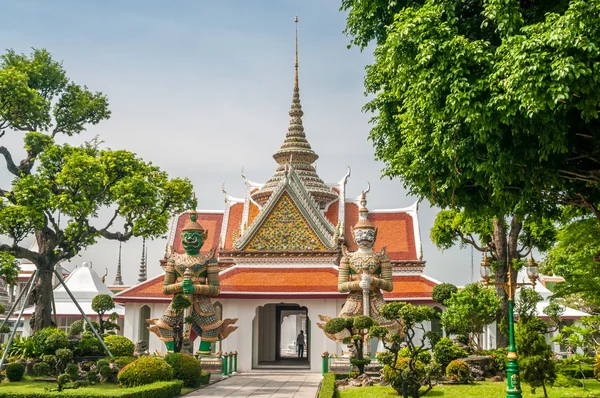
[{"x": 285, "y": 229}]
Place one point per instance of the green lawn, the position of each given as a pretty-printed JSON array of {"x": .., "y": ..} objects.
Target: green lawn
[{"x": 479, "y": 390}]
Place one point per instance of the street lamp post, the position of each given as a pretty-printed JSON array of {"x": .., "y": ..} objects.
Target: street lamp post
[{"x": 513, "y": 388}]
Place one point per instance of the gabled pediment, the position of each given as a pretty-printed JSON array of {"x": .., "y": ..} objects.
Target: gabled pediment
[{"x": 289, "y": 221}]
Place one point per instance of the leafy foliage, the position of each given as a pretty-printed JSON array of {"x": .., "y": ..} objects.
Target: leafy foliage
[
  {"x": 458, "y": 370},
  {"x": 88, "y": 346},
  {"x": 186, "y": 368},
  {"x": 9, "y": 270},
  {"x": 50, "y": 339},
  {"x": 406, "y": 373},
  {"x": 41, "y": 369},
  {"x": 119, "y": 346},
  {"x": 354, "y": 329},
  {"x": 145, "y": 370},
  {"x": 443, "y": 292},
  {"x": 38, "y": 100},
  {"x": 573, "y": 258},
  {"x": 23, "y": 348},
  {"x": 76, "y": 328},
  {"x": 15, "y": 371},
  {"x": 445, "y": 351},
  {"x": 101, "y": 304},
  {"x": 498, "y": 103},
  {"x": 469, "y": 310}
]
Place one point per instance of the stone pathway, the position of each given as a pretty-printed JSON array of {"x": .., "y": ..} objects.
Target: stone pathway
[{"x": 263, "y": 385}]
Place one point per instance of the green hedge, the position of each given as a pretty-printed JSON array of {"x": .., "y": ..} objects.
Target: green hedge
[
  {"x": 327, "y": 389},
  {"x": 573, "y": 371},
  {"x": 161, "y": 389}
]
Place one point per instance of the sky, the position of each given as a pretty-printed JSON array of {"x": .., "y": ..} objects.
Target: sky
[{"x": 203, "y": 88}]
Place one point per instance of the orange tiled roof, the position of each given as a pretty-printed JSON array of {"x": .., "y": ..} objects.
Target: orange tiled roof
[
  {"x": 211, "y": 222},
  {"x": 242, "y": 282},
  {"x": 233, "y": 224},
  {"x": 394, "y": 231}
]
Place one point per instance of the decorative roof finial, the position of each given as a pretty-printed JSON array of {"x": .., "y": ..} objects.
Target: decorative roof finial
[
  {"x": 143, "y": 275},
  {"x": 296, "y": 76},
  {"x": 118, "y": 278}
]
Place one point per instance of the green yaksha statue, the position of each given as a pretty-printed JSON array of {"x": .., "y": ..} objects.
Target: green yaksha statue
[{"x": 197, "y": 276}]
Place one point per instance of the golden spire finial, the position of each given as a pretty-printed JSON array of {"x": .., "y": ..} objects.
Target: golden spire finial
[{"x": 296, "y": 76}]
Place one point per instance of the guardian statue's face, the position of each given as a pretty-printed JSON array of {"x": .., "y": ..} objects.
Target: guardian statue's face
[
  {"x": 192, "y": 241},
  {"x": 364, "y": 238}
]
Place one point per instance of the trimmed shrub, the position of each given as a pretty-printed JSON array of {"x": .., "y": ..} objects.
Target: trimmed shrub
[
  {"x": 204, "y": 378},
  {"x": 89, "y": 346},
  {"x": 145, "y": 370},
  {"x": 50, "y": 339},
  {"x": 445, "y": 351},
  {"x": 73, "y": 371},
  {"x": 161, "y": 389},
  {"x": 41, "y": 369},
  {"x": 15, "y": 371},
  {"x": 76, "y": 328},
  {"x": 121, "y": 362},
  {"x": 566, "y": 381},
  {"x": 586, "y": 371},
  {"x": 403, "y": 375},
  {"x": 105, "y": 372},
  {"x": 119, "y": 346},
  {"x": 458, "y": 371},
  {"x": 102, "y": 362},
  {"x": 63, "y": 357},
  {"x": 92, "y": 376},
  {"x": 597, "y": 367},
  {"x": 327, "y": 389},
  {"x": 62, "y": 380},
  {"x": 185, "y": 368}
]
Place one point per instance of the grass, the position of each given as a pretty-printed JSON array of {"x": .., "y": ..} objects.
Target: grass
[{"x": 482, "y": 390}]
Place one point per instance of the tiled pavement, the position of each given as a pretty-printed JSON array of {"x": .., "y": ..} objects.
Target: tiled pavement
[{"x": 263, "y": 385}]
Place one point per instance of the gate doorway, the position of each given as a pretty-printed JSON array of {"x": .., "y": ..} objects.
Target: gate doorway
[{"x": 279, "y": 328}]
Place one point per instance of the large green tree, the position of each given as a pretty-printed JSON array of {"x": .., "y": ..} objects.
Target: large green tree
[
  {"x": 58, "y": 192},
  {"x": 504, "y": 240},
  {"x": 487, "y": 106},
  {"x": 578, "y": 242}
]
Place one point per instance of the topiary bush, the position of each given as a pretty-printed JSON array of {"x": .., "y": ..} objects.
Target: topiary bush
[
  {"x": 186, "y": 368},
  {"x": 119, "y": 346},
  {"x": 15, "y": 371},
  {"x": 41, "y": 369},
  {"x": 145, "y": 370},
  {"x": 63, "y": 357},
  {"x": 445, "y": 351},
  {"x": 104, "y": 372},
  {"x": 102, "y": 362},
  {"x": 92, "y": 376},
  {"x": 62, "y": 380},
  {"x": 73, "y": 371},
  {"x": 89, "y": 346},
  {"x": 76, "y": 328},
  {"x": 423, "y": 356},
  {"x": 458, "y": 370}
]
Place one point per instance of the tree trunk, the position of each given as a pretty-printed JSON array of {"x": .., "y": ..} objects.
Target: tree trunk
[
  {"x": 506, "y": 250},
  {"x": 42, "y": 299},
  {"x": 501, "y": 254}
]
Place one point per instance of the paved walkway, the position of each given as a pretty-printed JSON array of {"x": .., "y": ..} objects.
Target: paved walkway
[{"x": 263, "y": 385}]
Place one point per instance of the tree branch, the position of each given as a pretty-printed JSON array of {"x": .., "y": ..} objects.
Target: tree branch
[
  {"x": 112, "y": 220},
  {"x": 20, "y": 252},
  {"x": 10, "y": 164},
  {"x": 471, "y": 241}
]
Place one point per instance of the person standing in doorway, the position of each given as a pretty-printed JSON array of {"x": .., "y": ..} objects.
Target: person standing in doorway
[{"x": 300, "y": 342}]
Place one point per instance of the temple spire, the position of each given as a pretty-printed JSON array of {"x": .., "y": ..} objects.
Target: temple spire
[
  {"x": 143, "y": 271},
  {"x": 296, "y": 146},
  {"x": 296, "y": 75},
  {"x": 118, "y": 279}
]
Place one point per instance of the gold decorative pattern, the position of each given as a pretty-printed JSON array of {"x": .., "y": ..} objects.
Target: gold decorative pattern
[{"x": 285, "y": 229}]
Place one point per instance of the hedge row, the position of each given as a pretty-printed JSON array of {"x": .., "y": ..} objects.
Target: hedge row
[
  {"x": 327, "y": 389},
  {"x": 161, "y": 389}
]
